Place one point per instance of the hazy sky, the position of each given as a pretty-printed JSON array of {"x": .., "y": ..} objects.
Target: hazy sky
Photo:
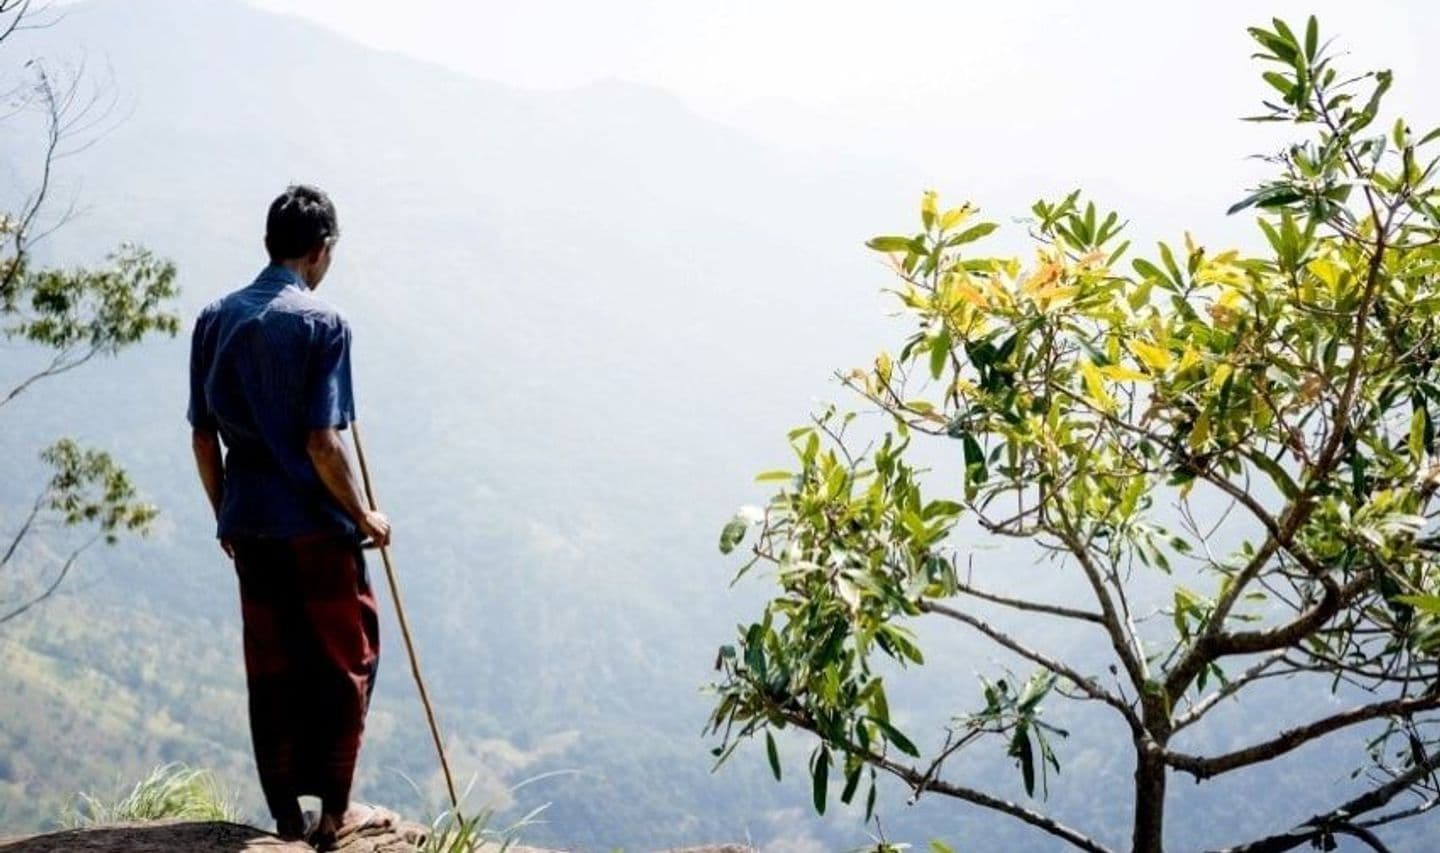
[
  {"x": 720, "y": 54},
  {"x": 1136, "y": 101}
]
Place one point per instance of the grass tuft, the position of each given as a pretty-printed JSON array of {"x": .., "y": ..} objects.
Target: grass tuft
[{"x": 170, "y": 791}]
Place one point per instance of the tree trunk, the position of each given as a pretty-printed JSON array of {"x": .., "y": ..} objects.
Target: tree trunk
[{"x": 1149, "y": 834}]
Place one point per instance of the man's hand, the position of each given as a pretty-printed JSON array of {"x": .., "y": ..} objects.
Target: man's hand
[
  {"x": 327, "y": 452},
  {"x": 375, "y": 526}
]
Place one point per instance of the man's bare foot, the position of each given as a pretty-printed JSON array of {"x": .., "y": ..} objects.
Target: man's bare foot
[
  {"x": 297, "y": 829},
  {"x": 359, "y": 819}
]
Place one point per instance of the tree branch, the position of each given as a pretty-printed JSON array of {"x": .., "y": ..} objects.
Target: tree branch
[
  {"x": 1120, "y": 641},
  {"x": 24, "y": 530},
  {"x": 1235, "y": 685},
  {"x": 57, "y": 366},
  {"x": 1339, "y": 819},
  {"x": 1032, "y": 606},
  {"x": 1211, "y": 647},
  {"x": 920, "y": 781},
  {"x": 1205, "y": 768},
  {"x": 54, "y": 584},
  {"x": 1087, "y": 685}
]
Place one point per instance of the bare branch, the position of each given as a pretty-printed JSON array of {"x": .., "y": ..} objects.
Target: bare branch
[
  {"x": 1211, "y": 647},
  {"x": 1340, "y": 819},
  {"x": 920, "y": 781},
  {"x": 60, "y": 364},
  {"x": 1122, "y": 642},
  {"x": 25, "y": 528},
  {"x": 1205, "y": 768},
  {"x": 54, "y": 584},
  {"x": 1032, "y": 606},
  {"x": 1235, "y": 685},
  {"x": 1087, "y": 685}
]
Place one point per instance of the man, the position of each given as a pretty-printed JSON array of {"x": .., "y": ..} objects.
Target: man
[{"x": 270, "y": 378}]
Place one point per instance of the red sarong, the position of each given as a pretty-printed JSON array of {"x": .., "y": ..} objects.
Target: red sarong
[{"x": 312, "y": 642}]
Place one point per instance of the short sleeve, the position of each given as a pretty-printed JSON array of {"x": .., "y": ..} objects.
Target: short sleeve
[
  {"x": 329, "y": 400},
  {"x": 200, "y": 415}
]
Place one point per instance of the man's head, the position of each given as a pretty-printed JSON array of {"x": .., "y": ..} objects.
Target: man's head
[{"x": 301, "y": 230}]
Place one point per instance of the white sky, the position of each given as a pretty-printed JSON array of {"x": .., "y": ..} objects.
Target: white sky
[
  {"x": 720, "y": 54},
  {"x": 995, "y": 102},
  {"x": 1125, "y": 98}
]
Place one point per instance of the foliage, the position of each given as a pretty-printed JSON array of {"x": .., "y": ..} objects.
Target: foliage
[
  {"x": 453, "y": 832},
  {"x": 169, "y": 791},
  {"x": 1297, "y": 390},
  {"x": 100, "y": 310},
  {"x": 74, "y": 315}
]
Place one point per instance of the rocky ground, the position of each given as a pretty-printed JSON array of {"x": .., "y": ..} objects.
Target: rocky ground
[{"x": 188, "y": 836}]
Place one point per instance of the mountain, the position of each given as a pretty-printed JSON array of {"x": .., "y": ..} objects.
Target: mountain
[{"x": 582, "y": 320}]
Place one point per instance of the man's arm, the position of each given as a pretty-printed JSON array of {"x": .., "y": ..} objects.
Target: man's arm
[
  {"x": 327, "y": 452},
  {"x": 211, "y": 465}
]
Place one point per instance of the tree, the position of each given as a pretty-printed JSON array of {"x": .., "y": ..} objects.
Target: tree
[
  {"x": 74, "y": 314},
  {"x": 1112, "y": 415}
]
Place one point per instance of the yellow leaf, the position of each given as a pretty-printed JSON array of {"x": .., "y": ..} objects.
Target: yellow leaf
[
  {"x": 1188, "y": 360},
  {"x": 1045, "y": 275},
  {"x": 970, "y": 293},
  {"x": 1050, "y": 294},
  {"x": 928, "y": 206},
  {"x": 1119, "y": 373},
  {"x": 883, "y": 367},
  {"x": 1217, "y": 273},
  {"x": 1095, "y": 386},
  {"x": 1200, "y": 433},
  {"x": 1153, "y": 357},
  {"x": 1222, "y": 373},
  {"x": 954, "y": 216}
]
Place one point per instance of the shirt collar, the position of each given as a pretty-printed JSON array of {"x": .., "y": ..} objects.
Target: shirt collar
[{"x": 279, "y": 277}]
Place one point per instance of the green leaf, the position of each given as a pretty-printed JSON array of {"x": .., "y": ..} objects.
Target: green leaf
[
  {"x": 1427, "y": 603},
  {"x": 939, "y": 352},
  {"x": 1035, "y": 691},
  {"x": 1021, "y": 751},
  {"x": 889, "y": 244},
  {"x": 893, "y": 735},
  {"x": 1312, "y": 37},
  {"x": 775, "y": 476},
  {"x": 1277, "y": 475},
  {"x": 1285, "y": 85},
  {"x": 821, "y": 776},
  {"x": 941, "y": 847},
  {"x": 1265, "y": 197},
  {"x": 973, "y": 233},
  {"x": 1285, "y": 32},
  {"x": 1168, "y": 257},
  {"x": 773, "y": 754},
  {"x": 852, "y": 781},
  {"x": 732, "y": 534},
  {"x": 1417, "y": 435},
  {"x": 975, "y": 470},
  {"x": 1150, "y": 271}
]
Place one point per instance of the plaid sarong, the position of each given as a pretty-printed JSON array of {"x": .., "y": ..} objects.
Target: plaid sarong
[{"x": 312, "y": 643}]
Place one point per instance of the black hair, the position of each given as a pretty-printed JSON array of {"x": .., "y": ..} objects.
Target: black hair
[{"x": 300, "y": 219}]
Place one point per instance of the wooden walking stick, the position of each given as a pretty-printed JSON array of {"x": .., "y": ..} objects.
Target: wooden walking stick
[{"x": 405, "y": 630}]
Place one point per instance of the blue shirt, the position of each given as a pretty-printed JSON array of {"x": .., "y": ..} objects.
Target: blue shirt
[{"x": 269, "y": 363}]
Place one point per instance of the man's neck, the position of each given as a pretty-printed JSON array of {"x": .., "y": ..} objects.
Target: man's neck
[{"x": 298, "y": 269}]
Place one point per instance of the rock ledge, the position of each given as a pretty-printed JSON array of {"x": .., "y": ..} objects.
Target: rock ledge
[{"x": 178, "y": 836}]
